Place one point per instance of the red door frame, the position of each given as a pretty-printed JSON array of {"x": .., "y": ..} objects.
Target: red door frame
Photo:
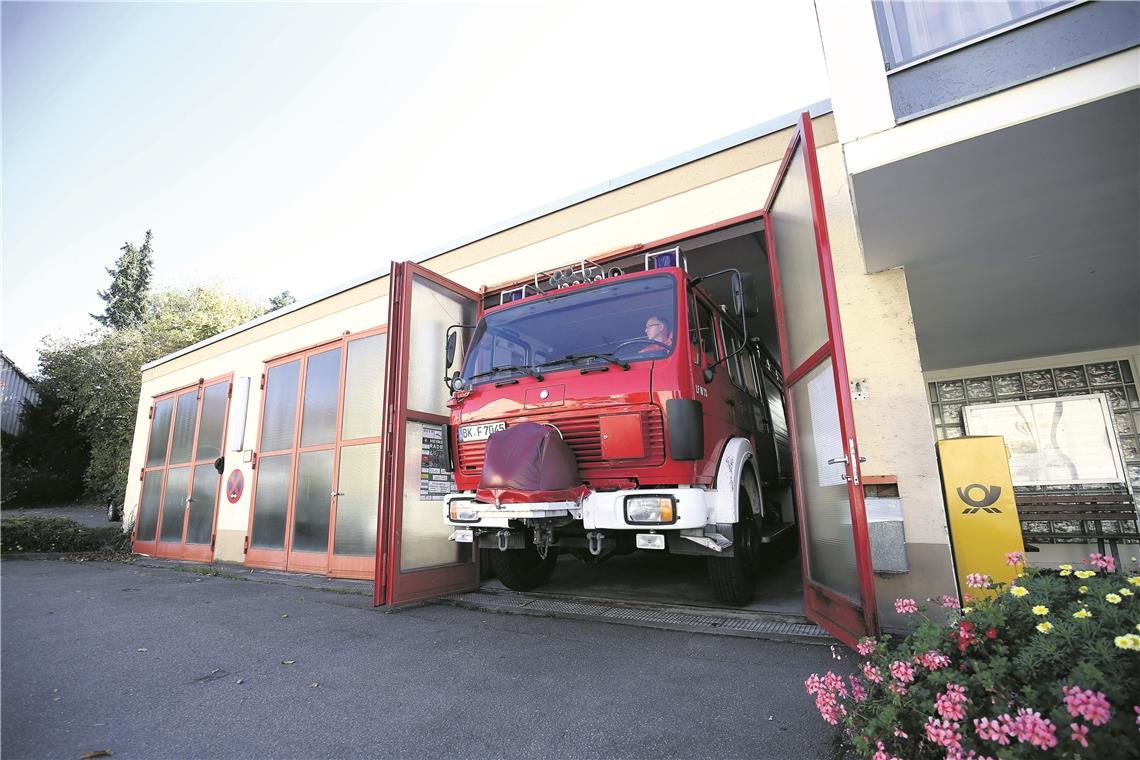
[
  {"x": 827, "y": 607},
  {"x": 182, "y": 550},
  {"x": 284, "y": 558},
  {"x": 394, "y": 586}
]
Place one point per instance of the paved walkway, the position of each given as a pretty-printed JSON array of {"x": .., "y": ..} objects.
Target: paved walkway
[{"x": 159, "y": 661}]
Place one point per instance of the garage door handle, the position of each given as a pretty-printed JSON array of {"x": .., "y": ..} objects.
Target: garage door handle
[{"x": 334, "y": 494}]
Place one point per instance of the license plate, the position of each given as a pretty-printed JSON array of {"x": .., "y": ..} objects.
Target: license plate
[
  {"x": 480, "y": 432},
  {"x": 463, "y": 536}
]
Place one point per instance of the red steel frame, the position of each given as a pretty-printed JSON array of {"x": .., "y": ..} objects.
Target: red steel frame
[
  {"x": 286, "y": 558},
  {"x": 843, "y": 617},
  {"x": 394, "y": 586},
  {"x": 182, "y": 550}
]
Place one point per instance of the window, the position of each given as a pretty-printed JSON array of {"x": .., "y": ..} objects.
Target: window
[
  {"x": 913, "y": 29},
  {"x": 708, "y": 336}
]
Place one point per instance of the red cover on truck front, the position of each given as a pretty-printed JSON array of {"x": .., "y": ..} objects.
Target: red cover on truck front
[{"x": 529, "y": 463}]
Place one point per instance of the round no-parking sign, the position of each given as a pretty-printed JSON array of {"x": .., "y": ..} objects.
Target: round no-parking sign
[{"x": 234, "y": 485}]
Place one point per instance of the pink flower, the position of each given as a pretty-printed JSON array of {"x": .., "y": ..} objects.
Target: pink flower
[
  {"x": 905, "y": 606},
  {"x": 990, "y": 730},
  {"x": 1103, "y": 561},
  {"x": 871, "y": 673},
  {"x": 950, "y": 705},
  {"x": 1080, "y": 734},
  {"x": 1086, "y": 704},
  {"x": 881, "y": 753},
  {"x": 1031, "y": 727},
  {"x": 857, "y": 691},
  {"x": 933, "y": 660},
  {"x": 894, "y": 687},
  {"x": 943, "y": 733},
  {"x": 866, "y": 646},
  {"x": 1014, "y": 558},
  {"x": 828, "y": 691},
  {"x": 977, "y": 580},
  {"x": 949, "y": 602},
  {"x": 901, "y": 734},
  {"x": 902, "y": 672}
]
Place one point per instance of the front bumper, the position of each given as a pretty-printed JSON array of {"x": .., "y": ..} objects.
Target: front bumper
[{"x": 599, "y": 510}]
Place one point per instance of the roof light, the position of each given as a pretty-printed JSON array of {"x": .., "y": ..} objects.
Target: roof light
[{"x": 670, "y": 257}]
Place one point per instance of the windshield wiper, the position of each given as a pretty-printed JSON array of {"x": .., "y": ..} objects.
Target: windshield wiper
[
  {"x": 508, "y": 368},
  {"x": 579, "y": 357}
]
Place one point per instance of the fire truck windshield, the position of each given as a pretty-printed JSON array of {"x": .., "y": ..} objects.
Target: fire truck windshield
[{"x": 618, "y": 322}]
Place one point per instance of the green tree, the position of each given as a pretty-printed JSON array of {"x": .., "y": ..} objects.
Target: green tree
[
  {"x": 98, "y": 380},
  {"x": 284, "y": 298},
  {"x": 130, "y": 284}
]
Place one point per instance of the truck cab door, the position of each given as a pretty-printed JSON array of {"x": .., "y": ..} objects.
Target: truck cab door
[{"x": 414, "y": 558}]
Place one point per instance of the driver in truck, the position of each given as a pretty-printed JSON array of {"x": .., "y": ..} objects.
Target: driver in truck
[{"x": 657, "y": 330}]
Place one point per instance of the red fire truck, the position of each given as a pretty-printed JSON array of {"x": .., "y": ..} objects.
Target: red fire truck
[{"x": 606, "y": 409}]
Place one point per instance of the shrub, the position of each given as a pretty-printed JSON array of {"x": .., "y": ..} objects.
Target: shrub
[
  {"x": 56, "y": 534},
  {"x": 1047, "y": 667}
]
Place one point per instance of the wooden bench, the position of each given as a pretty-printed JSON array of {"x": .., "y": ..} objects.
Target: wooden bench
[{"x": 1094, "y": 512}]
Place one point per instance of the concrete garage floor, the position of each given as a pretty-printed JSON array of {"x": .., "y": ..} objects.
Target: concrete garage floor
[{"x": 661, "y": 578}]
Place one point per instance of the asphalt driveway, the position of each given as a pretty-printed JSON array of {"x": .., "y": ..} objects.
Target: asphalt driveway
[{"x": 155, "y": 663}]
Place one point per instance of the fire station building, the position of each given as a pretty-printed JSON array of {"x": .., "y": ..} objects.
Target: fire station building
[{"x": 957, "y": 227}]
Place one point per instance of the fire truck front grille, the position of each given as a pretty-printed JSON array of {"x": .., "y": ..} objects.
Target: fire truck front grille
[{"x": 581, "y": 433}]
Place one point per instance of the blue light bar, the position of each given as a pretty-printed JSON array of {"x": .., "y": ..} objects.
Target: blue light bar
[{"x": 670, "y": 257}]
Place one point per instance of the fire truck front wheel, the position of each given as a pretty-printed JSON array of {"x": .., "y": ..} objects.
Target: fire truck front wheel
[
  {"x": 734, "y": 578},
  {"x": 523, "y": 569}
]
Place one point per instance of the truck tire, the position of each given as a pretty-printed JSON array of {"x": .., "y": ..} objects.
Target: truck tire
[
  {"x": 734, "y": 578},
  {"x": 523, "y": 569}
]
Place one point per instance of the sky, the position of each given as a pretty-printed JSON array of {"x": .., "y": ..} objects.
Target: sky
[{"x": 298, "y": 146}]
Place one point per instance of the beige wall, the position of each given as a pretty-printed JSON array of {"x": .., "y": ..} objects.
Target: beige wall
[{"x": 874, "y": 309}]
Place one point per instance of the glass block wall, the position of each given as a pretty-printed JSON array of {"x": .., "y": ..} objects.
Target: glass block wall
[{"x": 1113, "y": 378}]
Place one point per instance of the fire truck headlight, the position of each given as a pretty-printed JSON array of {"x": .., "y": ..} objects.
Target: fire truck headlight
[
  {"x": 650, "y": 510},
  {"x": 463, "y": 510}
]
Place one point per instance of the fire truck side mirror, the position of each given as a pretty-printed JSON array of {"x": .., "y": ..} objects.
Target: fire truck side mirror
[
  {"x": 744, "y": 301},
  {"x": 450, "y": 356}
]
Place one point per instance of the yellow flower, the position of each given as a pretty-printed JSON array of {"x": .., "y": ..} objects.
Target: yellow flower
[
  {"x": 1134, "y": 580},
  {"x": 1124, "y": 642},
  {"x": 1083, "y": 589},
  {"x": 968, "y": 610},
  {"x": 1125, "y": 592},
  {"x": 1018, "y": 591},
  {"x": 1045, "y": 627},
  {"x": 1112, "y": 598},
  {"x": 1138, "y": 626},
  {"x": 1082, "y": 574},
  {"x": 1041, "y": 609},
  {"x": 1082, "y": 614},
  {"x": 1066, "y": 572},
  {"x": 1066, "y": 567}
]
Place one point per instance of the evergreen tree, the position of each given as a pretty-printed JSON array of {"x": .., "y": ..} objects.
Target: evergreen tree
[
  {"x": 130, "y": 284},
  {"x": 284, "y": 298}
]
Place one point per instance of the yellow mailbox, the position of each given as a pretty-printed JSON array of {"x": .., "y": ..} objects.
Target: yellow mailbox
[{"x": 982, "y": 512}]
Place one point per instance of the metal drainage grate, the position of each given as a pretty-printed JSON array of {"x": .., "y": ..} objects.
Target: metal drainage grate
[{"x": 729, "y": 623}]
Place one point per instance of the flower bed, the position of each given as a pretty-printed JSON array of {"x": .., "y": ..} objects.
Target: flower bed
[{"x": 1049, "y": 666}]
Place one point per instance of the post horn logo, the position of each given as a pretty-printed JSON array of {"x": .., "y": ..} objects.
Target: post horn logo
[{"x": 989, "y": 495}]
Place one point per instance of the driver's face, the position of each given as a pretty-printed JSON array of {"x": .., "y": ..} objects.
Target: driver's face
[{"x": 655, "y": 330}]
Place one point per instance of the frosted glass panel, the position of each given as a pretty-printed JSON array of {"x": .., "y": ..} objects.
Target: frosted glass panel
[
  {"x": 174, "y": 504},
  {"x": 212, "y": 422},
  {"x": 280, "y": 406},
  {"x": 359, "y": 486},
  {"x": 204, "y": 498},
  {"x": 322, "y": 388},
  {"x": 148, "y": 506},
  {"x": 185, "y": 418},
  {"x": 424, "y": 533},
  {"x": 364, "y": 387},
  {"x": 270, "y": 501},
  {"x": 434, "y": 309},
  {"x": 798, "y": 260},
  {"x": 831, "y": 555},
  {"x": 313, "y": 501},
  {"x": 159, "y": 433}
]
